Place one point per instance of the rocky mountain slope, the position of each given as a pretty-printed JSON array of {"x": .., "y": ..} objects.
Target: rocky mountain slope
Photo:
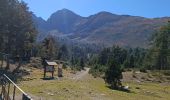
[{"x": 104, "y": 28}]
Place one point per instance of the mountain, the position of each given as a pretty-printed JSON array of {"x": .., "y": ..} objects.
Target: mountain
[
  {"x": 102, "y": 28},
  {"x": 64, "y": 21},
  {"x": 39, "y": 23}
]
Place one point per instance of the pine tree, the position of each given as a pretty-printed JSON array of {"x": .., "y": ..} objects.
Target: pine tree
[
  {"x": 49, "y": 48},
  {"x": 160, "y": 48},
  {"x": 82, "y": 63},
  {"x": 15, "y": 30},
  {"x": 103, "y": 56},
  {"x": 63, "y": 53},
  {"x": 113, "y": 75},
  {"x": 132, "y": 62},
  {"x": 17, "y": 33}
]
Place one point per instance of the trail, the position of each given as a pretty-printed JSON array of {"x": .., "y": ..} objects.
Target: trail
[{"x": 81, "y": 74}]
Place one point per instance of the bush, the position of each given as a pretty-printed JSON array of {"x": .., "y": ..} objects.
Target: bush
[
  {"x": 166, "y": 72},
  {"x": 64, "y": 66},
  {"x": 143, "y": 69},
  {"x": 97, "y": 70}
]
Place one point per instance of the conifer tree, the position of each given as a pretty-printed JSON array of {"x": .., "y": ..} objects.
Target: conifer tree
[
  {"x": 17, "y": 33},
  {"x": 113, "y": 75},
  {"x": 82, "y": 65},
  {"x": 160, "y": 51}
]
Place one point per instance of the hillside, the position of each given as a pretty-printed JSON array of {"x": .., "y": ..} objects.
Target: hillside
[{"x": 104, "y": 28}]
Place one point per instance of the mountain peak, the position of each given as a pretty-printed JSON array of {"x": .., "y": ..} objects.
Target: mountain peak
[
  {"x": 64, "y": 20},
  {"x": 64, "y": 10},
  {"x": 64, "y": 13},
  {"x": 105, "y": 13}
]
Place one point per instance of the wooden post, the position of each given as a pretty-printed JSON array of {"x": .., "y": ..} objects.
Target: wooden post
[
  {"x": 52, "y": 74},
  {"x": 8, "y": 98},
  {"x": 44, "y": 71},
  {"x": 2, "y": 89},
  {"x": 14, "y": 93},
  {"x": 52, "y": 71},
  {"x": 60, "y": 70}
]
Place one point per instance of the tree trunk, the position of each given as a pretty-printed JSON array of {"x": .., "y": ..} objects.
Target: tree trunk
[
  {"x": 18, "y": 67},
  {"x": 2, "y": 61},
  {"x": 7, "y": 61}
]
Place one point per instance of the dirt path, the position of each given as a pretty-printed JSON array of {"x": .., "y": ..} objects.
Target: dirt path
[{"x": 81, "y": 74}]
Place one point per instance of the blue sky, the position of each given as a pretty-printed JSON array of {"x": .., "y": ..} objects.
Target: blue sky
[{"x": 145, "y": 8}]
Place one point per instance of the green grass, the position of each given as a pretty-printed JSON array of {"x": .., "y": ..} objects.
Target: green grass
[{"x": 90, "y": 89}]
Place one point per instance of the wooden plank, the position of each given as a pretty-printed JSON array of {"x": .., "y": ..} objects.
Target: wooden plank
[
  {"x": 5, "y": 94},
  {"x": 8, "y": 98},
  {"x": 50, "y": 69},
  {"x": 14, "y": 93}
]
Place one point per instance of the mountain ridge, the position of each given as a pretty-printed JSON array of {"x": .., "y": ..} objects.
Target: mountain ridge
[{"x": 102, "y": 28}]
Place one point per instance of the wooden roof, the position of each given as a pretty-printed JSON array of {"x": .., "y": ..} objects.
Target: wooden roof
[{"x": 51, "y": 63}]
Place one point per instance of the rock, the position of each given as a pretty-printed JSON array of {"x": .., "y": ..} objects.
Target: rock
[
  {"x": 148, "y": 92},
  {"x": 138, "y": 81},
  {"x": 137, "y": 87},
  {"x": 28, "y": 70},
  {"x": 51, "y": 94},
  {"x": 138, "y": 72},
  {"x": 126, "y": 87},
  {"x": 40, "y": 92},
  {"x": 65, "y": 89},
  {"x": 103, "y": 94}
]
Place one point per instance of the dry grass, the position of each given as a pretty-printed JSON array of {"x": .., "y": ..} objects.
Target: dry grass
[{"x": 88, "y": 88}]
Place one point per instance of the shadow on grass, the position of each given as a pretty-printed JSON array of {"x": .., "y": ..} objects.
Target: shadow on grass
[
  {"x": 49, "y": 78},
  {"x": 122, "y": 89}
]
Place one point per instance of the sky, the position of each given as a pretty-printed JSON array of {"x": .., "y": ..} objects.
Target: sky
[{"x": 144, "y": 8}]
